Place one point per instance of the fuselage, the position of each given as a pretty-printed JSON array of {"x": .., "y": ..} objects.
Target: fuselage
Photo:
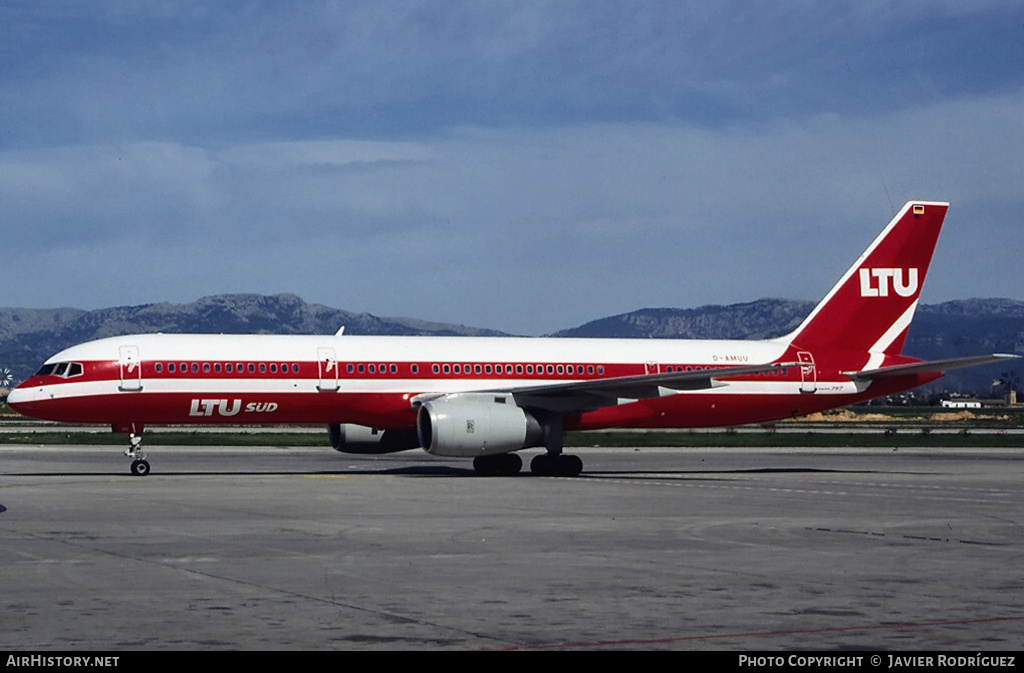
[{"x": 241, "y": 379}]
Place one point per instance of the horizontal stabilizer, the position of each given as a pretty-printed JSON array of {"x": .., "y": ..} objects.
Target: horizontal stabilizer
[{"x": 933, "y": 366}]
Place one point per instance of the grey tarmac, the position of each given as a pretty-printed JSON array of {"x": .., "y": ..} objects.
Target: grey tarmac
[{"x": 681, "y": 549}]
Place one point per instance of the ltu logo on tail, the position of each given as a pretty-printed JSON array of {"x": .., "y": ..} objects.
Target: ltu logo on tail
[{"x": 875, "y": 282}]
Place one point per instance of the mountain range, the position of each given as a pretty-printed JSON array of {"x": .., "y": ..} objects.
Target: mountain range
[{"x": 951, "y": 329}]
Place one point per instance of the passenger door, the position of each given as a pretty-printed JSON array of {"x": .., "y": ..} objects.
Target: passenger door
[
  {"x": 808, "y": 373},
  {"x": 327, "y": 369},
  {"x": 131, "y": 368}
]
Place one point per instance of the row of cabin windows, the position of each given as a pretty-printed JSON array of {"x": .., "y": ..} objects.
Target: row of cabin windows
[
  {"x": 517, "y": 369},
  {"x": 67, "y": 369},
  {"x": 373, "y": 368},
  {"x": 227, "y": 367},
  {"x": 691, "y": 368},
  {"x": 382, "y": 368}
]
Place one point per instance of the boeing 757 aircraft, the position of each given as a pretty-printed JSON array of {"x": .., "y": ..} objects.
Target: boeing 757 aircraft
[{"x": 487, "y": 398}]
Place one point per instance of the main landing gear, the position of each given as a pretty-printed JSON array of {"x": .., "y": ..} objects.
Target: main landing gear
[
  {"x": 499, "y": 465},
  {"x": 542, "y": 465},
  {"x": 553, "y": 463},
  {"x": 140, "y": 466},
  {"x": 556, "y": 465}
]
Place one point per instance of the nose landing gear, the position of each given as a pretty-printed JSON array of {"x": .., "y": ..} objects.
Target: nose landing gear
[{"x": 140, "y": 466}]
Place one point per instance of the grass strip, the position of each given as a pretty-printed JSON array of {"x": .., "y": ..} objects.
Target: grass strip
[{"x": 902, "y": 438}]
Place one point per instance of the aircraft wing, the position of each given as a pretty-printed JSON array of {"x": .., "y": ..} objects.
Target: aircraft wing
[
  {"x": 596, "y": 393},
  {"x": 932, "y": 366}
]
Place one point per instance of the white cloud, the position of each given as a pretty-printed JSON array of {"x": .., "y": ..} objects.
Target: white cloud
[
  {"x": 519, "y": 165},
  {"x": 527, "y": 231}
]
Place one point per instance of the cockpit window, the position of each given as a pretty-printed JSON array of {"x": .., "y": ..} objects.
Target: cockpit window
[{"x": 62, "y": 369}]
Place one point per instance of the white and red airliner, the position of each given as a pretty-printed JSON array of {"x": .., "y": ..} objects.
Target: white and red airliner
[{"x": 487, "y": 398}]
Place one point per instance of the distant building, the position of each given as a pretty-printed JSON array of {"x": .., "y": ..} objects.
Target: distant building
[{"x": 962, "y": 404}]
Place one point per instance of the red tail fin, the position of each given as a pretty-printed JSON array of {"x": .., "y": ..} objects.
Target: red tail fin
[{"x": 871, "y": 306}]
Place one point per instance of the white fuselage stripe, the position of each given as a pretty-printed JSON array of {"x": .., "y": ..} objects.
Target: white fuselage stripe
[{"x": 370, "y": 386}]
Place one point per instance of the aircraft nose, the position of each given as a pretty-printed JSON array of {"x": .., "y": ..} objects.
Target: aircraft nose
[
  {"x": 17, "y": 397},
  {"x": 31, "y": 399},
  {"x": 14, "y": 397}
]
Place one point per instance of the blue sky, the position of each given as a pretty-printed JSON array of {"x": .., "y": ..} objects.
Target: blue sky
[{"x": 524, "y": 166}]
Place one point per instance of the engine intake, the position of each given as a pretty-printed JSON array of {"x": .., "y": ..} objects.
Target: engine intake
[{"x": 476, "y": 424}]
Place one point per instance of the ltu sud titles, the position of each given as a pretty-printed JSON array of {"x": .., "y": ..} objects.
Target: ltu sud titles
[
  {"x": 877, "y": 661},
  {"x": 223, "y": 408}
]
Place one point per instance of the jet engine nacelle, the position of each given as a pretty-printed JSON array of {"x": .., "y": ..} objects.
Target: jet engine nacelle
[
  {"x": 476, "y": 424},
  {"x": 349, "y": 438}
]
